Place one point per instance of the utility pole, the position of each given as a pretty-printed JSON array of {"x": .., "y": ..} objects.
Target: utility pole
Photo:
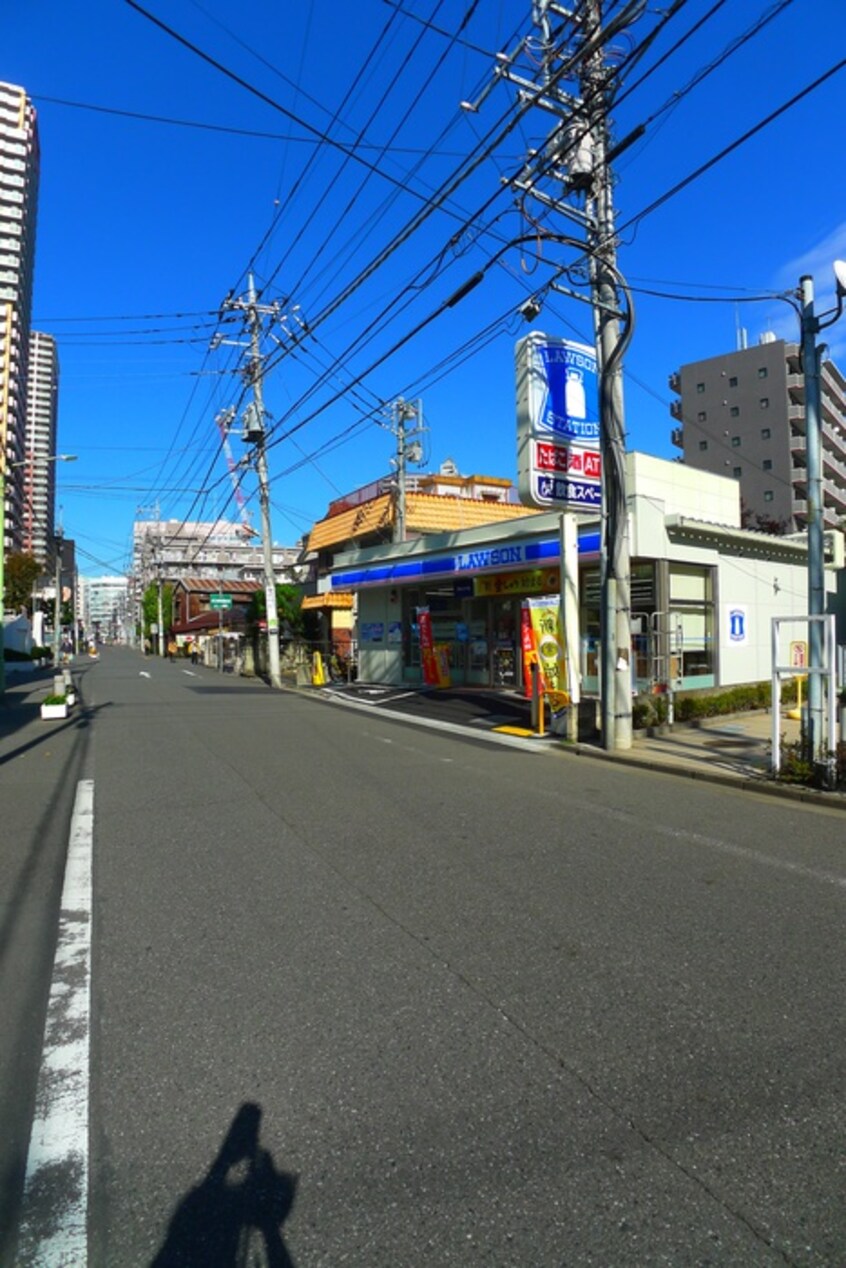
[
  {"x": 576, "y": 156},
  {"x": 254, "y": 433},
  {"x": 816, "y": 574},
  {"x": 407, "y": 450},
  {"x": 161, "y": 646},
  {"x": 615, "y": 621},
  {"x": 57, "y": 605}
]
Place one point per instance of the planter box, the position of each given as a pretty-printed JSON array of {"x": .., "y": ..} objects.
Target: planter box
[{"x": 50, "y": 711}]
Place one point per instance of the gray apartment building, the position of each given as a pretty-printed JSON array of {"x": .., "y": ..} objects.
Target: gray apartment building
[
  {"x": 742, "y": 414},
  {"x": 38, "y": 471}
]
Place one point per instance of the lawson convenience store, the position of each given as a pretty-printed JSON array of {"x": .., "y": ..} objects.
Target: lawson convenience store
[{"x": 703, "y": 589}]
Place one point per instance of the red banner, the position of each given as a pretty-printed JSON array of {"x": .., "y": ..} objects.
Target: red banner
[
  {"x": 427, "y": 648},
  {"x": 530, "y": 655}
]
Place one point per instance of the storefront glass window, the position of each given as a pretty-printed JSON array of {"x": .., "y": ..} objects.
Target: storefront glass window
[{"x": 692, "y": 620}]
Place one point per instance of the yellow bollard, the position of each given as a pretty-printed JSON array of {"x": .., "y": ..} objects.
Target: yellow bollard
[{"x": 796, "y": 714}]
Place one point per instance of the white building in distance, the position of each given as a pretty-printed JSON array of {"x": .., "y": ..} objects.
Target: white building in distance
[{"x": 104, "y": 604}]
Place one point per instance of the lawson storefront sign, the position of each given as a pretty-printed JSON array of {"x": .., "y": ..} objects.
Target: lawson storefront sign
[
  {"x": 461, "y": 564},
  {"x": 558, "y": 460}
]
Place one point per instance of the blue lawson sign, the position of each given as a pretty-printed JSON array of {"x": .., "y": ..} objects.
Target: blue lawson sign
[
  {"x": 534, "y": 553},
  {"x": 557, "y": 400},
  {"x": 565, "y": 398}
]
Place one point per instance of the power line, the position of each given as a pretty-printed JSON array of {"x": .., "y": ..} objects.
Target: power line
[
  {"x": 269, "y": 101},
  {"x": 734, "y": 145}
]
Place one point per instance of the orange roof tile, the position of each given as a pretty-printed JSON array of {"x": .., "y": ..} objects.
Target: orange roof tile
[{"x": 424, "y": 513}]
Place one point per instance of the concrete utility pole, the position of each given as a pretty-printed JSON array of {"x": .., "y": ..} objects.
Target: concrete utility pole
[
  {"x": 616, "y": 571},
  {"x": 811, "y": 325},
  {"x": 57, "y": 605},
  {"x": 254, "y": 433},
  {"x": 407, "y": 450},
  {"x": 816, "y": 563},
  {"x": 160, "y": 639},
  {"x": 576, "y": 155}
]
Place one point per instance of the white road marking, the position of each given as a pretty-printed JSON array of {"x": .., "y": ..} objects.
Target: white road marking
[
  {"x": 744, "y": 852},
  {"x": 53, "y": 1230},
  {"x": 190, "y": 673},
  {"x": 142, "y": 673}
]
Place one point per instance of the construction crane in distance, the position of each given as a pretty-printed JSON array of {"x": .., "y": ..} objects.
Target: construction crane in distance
[{"x": 224, "y": 422}]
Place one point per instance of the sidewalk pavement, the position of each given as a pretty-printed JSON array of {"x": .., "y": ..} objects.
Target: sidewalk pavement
[{"x": 734, "y": 750}]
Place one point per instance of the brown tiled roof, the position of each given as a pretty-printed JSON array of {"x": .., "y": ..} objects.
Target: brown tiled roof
[
  {"x": 424, "y": 513},
  {"x": 333, "y": 599},
  {"x": 228, "y": 618},
  {"x": 219, "y": 585}
]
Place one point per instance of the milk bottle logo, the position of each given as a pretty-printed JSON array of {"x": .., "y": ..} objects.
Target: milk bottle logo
[{"x": 575, "y": 403}]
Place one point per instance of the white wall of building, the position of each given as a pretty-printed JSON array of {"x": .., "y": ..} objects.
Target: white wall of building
[
  {"x": 381, "y": 662},
  {"x": 681, "y": 490}
]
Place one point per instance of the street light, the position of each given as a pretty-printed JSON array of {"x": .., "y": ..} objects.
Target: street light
[
  {"x": 4, "y": 466},
  {"x": 811, "y": 325}
]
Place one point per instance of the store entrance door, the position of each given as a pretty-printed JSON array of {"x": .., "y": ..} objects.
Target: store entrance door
[{"x": 505, "y": 620}]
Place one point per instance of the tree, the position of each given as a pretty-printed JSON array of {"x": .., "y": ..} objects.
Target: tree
[
  {"x": 150, "y": 607},
  {"x": 288, "y": 606},
  {"x": 762, "y": 523},
  {"x": 22, "y": 572}
]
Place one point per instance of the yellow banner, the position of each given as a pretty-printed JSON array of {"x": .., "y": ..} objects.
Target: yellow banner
[
  {"x": 549, "y": 643},
  {"x": 531, "y": 581}
]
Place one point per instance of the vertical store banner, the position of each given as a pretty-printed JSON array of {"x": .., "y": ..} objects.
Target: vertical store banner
[
  {"x": 548, "y": 637},
  {"x": 527, "y": 643},
  {"x": 428, "y": 659}
]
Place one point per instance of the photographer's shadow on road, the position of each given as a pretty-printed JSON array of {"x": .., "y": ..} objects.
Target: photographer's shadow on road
[{"x": 237, "y": 1209}]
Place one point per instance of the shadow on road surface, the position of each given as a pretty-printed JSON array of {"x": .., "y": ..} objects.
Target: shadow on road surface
[{"x": 236, "y": 1210}]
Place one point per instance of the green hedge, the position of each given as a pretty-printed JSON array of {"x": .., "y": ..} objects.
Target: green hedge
[{"x": 688, "y": 706}]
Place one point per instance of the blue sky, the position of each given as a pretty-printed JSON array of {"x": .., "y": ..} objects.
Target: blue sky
[{"x": 145, "y": 226}]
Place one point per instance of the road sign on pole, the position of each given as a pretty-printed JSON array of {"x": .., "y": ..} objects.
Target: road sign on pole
[
  {"x": 799, "y": 654},
  {"x": 220, "y": 601}
]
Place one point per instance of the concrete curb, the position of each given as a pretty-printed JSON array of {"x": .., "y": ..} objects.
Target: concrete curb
[{"x": 746, "y": 783}]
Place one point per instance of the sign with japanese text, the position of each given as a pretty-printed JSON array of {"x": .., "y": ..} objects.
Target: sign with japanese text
[
  {"x": 558, "y": 461},
  {"x": 530, "y": 581}
]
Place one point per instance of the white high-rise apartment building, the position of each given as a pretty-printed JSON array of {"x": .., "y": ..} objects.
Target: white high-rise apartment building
[
  {"x": 39, "y": 472},
  {"x": 19, "y": 171},
  {"x": 105, "y": 608}
]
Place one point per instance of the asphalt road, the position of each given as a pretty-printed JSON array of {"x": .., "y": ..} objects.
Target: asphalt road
[{"x": 391, "y": 997}]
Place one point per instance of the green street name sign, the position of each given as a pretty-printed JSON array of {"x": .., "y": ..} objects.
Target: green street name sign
[{"x": 220, "y": 601}]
